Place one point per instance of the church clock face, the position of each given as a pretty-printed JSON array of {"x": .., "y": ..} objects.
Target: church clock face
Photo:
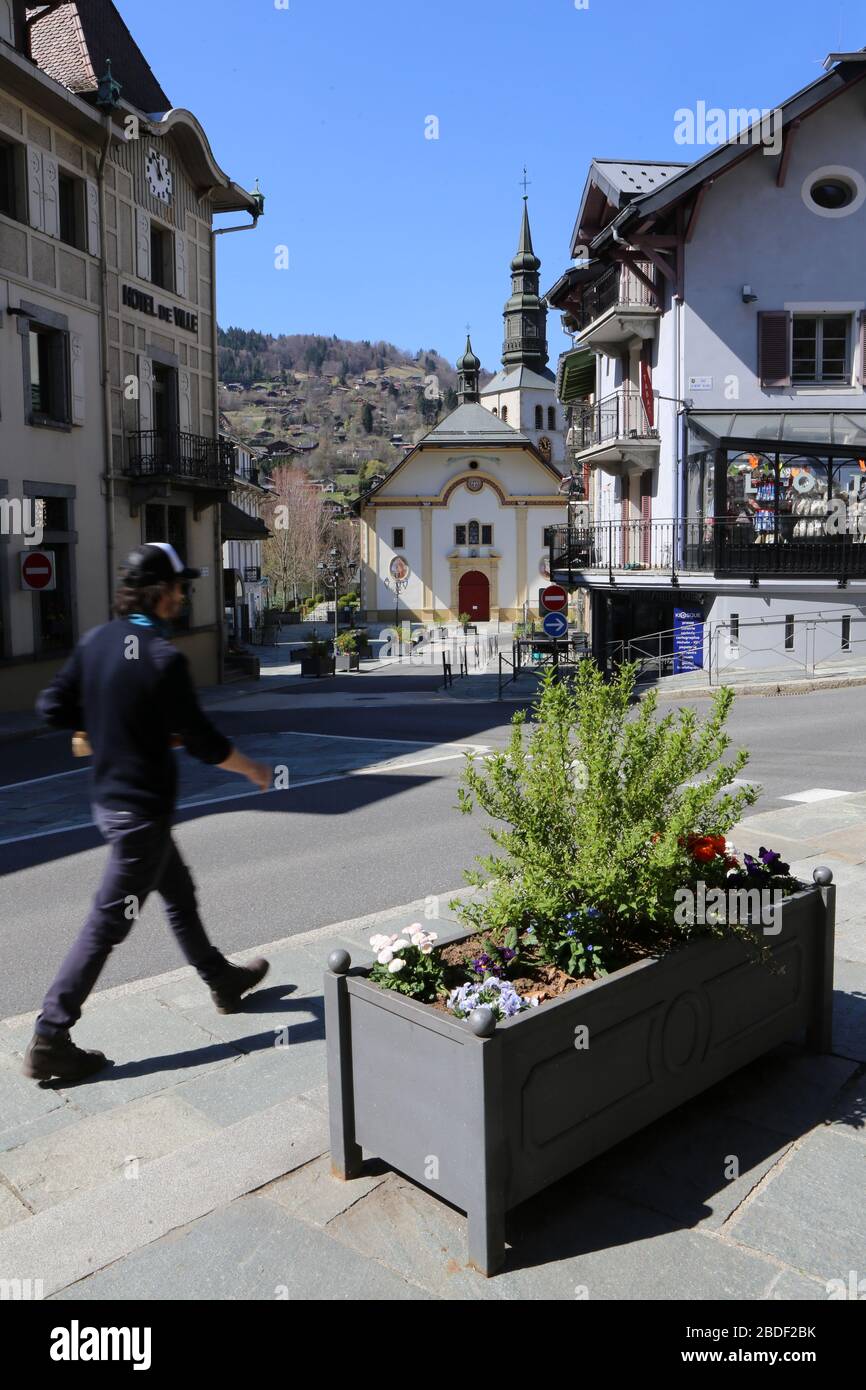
[
  {"x": 159, "y": 176},
  {"x": 544, "y": 447}
]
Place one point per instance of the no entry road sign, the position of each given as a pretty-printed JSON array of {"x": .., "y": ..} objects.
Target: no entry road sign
[
  {"x": 37, "y": 570},
  {"x": 556, "y": 625},
  {"x": 554, "y": 599}
]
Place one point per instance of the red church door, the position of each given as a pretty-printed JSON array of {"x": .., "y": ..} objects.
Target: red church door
[{"x": 474, "y": 596}]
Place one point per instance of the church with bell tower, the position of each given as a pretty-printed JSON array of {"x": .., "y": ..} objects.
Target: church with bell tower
[
  {"x": 523, "y": 393},
  {"x": 461, "y": 524}
]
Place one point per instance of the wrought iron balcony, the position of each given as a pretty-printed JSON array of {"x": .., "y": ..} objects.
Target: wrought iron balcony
[
  {"x": 621, "y": 415},
  {"x": 193, "y": 459},
  {"x": 746, "y": 549},
  {"x": 616, "y": 288}
]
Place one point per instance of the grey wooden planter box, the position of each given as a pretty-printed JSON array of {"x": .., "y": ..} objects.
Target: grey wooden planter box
[
  {"x": 485, "y": 1115},
  {"x": 347, "y": 661}
]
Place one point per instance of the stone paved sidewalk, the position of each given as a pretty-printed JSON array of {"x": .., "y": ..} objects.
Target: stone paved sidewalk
[{"x": 197, "y": 1168}]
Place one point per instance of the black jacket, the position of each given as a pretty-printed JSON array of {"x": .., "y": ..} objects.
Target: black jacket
[{"x": 131, "y": 691}]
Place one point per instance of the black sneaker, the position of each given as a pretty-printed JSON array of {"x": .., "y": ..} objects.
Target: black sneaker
[
  {"x": 59, "y": 1057},
  {"x": 236, "y": 980}
]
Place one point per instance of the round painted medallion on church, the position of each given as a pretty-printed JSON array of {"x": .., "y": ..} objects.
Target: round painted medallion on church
[
  {"x": 474, "y": 484},
  {"x": 399, "y": 568},
  {"x": 544, "y": 566}
]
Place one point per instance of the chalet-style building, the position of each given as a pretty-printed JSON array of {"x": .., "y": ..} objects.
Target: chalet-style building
[{"x": 718, "y": 390}]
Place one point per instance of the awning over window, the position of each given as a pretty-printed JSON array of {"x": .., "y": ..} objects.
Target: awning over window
[
  {"x": 788, "y": 431},
  {"x": 575, "y": 378},
  {"x": 238, "y": 526}
]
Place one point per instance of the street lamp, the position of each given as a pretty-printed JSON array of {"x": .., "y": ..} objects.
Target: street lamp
[
  {"x": 330, "y": 571},
  {"x": 396, "y": 584}
]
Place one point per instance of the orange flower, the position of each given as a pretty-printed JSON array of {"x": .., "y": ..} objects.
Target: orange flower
[{"x": 704, "y": 848}]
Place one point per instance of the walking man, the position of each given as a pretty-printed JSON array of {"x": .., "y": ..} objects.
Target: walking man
[{"x": 130, "y": 692}]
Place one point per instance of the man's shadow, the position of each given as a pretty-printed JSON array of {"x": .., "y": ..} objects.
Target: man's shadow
[{"x": 264, "y": 1001}]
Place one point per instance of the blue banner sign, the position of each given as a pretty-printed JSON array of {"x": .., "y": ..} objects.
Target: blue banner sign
[{"x": 688, "y": 640}]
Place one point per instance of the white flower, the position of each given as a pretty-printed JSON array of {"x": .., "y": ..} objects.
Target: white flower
[
  {"x": 401, "y": 944},
  {"x": 427, "y": 949},
  {"x": 395, "y": 966},
  {"x": 415, "y": 927},
  {"x": 385, "y": 957},
  {"x": 378, "y": 942}
]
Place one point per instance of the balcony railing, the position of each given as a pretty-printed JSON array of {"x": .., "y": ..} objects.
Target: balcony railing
[
  {"x": 191, "y": 458},
  {"x": 736, "y": 548},
  {"x": 619, "y": 416},
  {"x": 617, "y": 287}
]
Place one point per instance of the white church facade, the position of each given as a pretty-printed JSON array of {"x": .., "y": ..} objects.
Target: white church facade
[{"x": 459, "y": 526}]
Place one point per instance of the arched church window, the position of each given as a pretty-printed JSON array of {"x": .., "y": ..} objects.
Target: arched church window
[
  {"x": 539, "y": 417},
  {"x": 473, "y": 533},
  {"x": 551, "y": 417},
  {"x": 505, "y": 413}
]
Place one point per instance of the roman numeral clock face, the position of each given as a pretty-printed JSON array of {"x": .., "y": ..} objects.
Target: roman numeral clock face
[{"x": 159, "y": 176}]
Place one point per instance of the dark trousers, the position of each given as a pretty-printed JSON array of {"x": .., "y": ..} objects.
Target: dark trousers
[{"x": 144, "y": 859}]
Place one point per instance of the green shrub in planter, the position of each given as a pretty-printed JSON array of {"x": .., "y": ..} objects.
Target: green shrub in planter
[
  {"x": 346, "y": 643},
  {"x": 602, "y": 813}
]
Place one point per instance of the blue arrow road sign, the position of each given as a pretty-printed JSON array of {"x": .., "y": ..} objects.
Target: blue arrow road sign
[{"x": 556, "y": 625}]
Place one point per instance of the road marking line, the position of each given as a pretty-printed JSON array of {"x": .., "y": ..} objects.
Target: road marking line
[
  {"x": 51, "y": 777},
  {"x": 343, "y": 738},
  {"x": 377, "y": 770},
  {"x": 815, "y": 794}
]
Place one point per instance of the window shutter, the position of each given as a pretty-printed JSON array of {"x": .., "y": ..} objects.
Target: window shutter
[
  {"x": 50, "y": 195},
  {"x": 76, "y": 364},
  {"x": 774, "y": 348},
  {"x": 184, "y": 401},
  {"x": 142, "y": 245},
  {"x": 181, "y": 287},
  {"x": 6, "y": 28},
  {"x": 35, "y": 202},
  {"x": 861, "y": 376},
  {"x": 145, "y": 393},
  {"x": 93, "y": 237}
]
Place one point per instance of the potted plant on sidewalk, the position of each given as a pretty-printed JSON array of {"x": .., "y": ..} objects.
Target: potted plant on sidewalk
[
  {"x": 346, "y": 652},
  {"x": 317, "y": 660},
  {"x": 619, "y": 957}
]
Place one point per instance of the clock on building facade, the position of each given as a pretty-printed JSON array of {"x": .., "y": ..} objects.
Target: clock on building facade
[{"x": 159, "y": 176}]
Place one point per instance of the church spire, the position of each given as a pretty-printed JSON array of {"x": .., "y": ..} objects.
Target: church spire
[
  {"x": 526, "y": 312},
  {"x": 468, "y": 367}
]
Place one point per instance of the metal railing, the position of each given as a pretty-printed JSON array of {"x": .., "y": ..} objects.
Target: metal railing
[
  {"x": 617, "y": 287},
  {"x": 621, "y": 415},
  {"x": 195, "y": 458},
  {"x": 742, "y": 548},
  {"x": 737, "y": 650}
]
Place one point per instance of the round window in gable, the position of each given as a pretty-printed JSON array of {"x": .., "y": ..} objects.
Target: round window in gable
[{"x": 833, "y": 191}]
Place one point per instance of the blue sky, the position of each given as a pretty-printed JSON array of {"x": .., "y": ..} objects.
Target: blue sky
[{"x": 399, "y": 237}]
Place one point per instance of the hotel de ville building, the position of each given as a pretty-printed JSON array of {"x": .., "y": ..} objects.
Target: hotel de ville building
[{"x": 109, "y": 419}]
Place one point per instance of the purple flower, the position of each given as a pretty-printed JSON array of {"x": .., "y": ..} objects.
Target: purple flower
[
  {"x": 593, "y": 912},
  {"x": 772, "y": 860},
  {"x": 498, "y": 995}
]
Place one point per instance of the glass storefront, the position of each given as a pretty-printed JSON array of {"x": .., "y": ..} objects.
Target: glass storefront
[{"x": 803, "y": 497}]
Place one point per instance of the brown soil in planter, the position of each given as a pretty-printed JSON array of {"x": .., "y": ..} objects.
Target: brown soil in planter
[{"x": 537, "y": 980}]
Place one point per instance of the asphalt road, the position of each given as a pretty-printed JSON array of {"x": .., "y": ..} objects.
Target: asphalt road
[{"x": 269, "y": 867}]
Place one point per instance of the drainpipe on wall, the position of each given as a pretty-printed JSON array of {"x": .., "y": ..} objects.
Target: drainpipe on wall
[
  {"x": 106, "y": 374},
  {"x": 215, "y": 387}
]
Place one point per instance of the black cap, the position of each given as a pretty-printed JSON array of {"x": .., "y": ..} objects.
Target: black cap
[{"x": 157, "y": 563}]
